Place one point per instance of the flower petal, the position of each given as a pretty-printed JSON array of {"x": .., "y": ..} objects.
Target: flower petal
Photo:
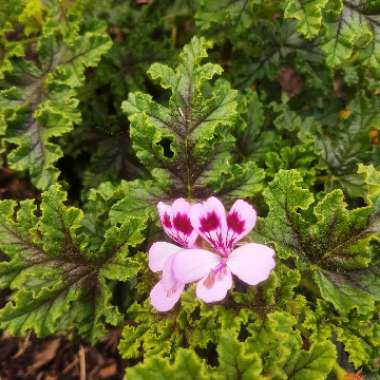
[
  {"x": 168, "y": 279},
  {"x": 190, "y": 265},
  {"x": 240, "y": 221},
  {"x": 163, "y": 299},
  {"x": 159, "y": 253},
  {"x": 217, "y": 289},
  {"x": 175, "y": 220},
  {"x": 181, "y": 205},
  {"x": 209, "y": 219},
  {"x": 165, "y": 212},
  {"x": 252, "y": 262}
]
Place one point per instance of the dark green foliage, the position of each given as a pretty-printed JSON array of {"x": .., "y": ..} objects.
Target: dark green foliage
[
  {"x": 108, "y": 107},
  {"x": 39, "y": 100}
]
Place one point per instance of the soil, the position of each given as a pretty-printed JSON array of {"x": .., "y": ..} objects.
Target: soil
[{"x": 56, "y": 358}]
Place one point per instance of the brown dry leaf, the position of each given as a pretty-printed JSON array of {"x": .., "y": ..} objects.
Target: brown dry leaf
[
  {"x": 109, "y": 371},
  {"x": 12, "y": 186},
  {"x": 374, "y": 134},
  {"x": 23, "y": 346},
  {"x": 116, "y": 34},
  {"x": 57, "y": 358},
  {"x": 290, "y": 81},
  {"x": 8, "y": 346},
  {"x": 70, "y": 366},
  {"x": 354, "y": 376},
  {"x": 48, "y": 353},
  {"x": 112, "y": 339},
  {"x": 338, "y": 88}
]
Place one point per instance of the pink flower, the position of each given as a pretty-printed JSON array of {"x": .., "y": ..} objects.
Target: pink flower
[
  {"x": 251, "y": 262},
  {"x": 175, "y": 220}
]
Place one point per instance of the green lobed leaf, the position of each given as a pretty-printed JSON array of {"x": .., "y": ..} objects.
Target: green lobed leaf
[
  {"x": 308, "y": 14},
  {"x": 186, "y": 145},
  {"x": 233, "y": 13},
  {"x": 329, "y": 242},
  {"x": 39, "y": 102},
  {"x": 234, "y": 362},
  {"x": 360, "y": 336},
  {"x": 345, "y": 143},
  {"x": 352, "y": 34},
  {"x": 315, "y": 364},
  {"x": 58, "y": 281},
  {"x": 272, "y": 350},
  {"x": 285, "y": 197},
  {"x": 186, "y": 366}
]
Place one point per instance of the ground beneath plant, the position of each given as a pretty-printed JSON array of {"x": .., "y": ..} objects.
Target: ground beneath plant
[{"x": 56, "y": 358}]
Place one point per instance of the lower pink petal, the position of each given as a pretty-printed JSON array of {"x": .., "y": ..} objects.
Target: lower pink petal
[
  {"x": 252, "y": 262},
  {"x": 163, "y": 299},
  {"x": 216, "y": 291},
  {"x": 159, "y": 253},
  {"x": 190, "y": 265},
  {"x": 167, "y": 278}
]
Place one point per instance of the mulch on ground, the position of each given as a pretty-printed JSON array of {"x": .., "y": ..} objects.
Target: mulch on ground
[{"x": 56, "y": 358}]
